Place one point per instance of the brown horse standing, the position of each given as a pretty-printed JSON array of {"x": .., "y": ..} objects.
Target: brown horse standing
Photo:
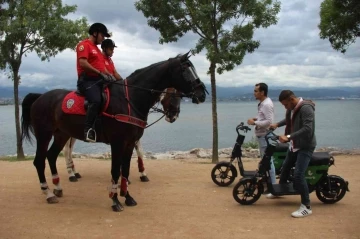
[{"x": 122, "y": 124}]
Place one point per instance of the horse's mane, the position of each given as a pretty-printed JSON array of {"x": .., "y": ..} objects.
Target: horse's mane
[{"x": 138, "y": 71}]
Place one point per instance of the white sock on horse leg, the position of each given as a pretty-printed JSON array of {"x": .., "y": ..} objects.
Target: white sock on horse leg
[
  {"x": 71, "y": 172},
  {"x": 113, "y": 189},
  {"x": 46, "y": 190}
]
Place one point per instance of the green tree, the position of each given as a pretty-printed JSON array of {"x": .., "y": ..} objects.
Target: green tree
[
  {"x": 225, "y": 29},
  {"x": 34, "y": 26},
  {"x": 340, "y": 22}
]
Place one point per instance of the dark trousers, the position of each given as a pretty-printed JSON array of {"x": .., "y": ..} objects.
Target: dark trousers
[
  {"x": 300, "y": 159},
  {"x": 91, "y": 88}
]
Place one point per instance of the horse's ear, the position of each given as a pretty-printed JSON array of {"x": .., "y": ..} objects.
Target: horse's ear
[{"x": 186, "y": 56}]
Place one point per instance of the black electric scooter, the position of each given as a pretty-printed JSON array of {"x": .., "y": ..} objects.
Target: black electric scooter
[
  {"x": 329, "y": 188},
  {"x": 224, "y": 173}
]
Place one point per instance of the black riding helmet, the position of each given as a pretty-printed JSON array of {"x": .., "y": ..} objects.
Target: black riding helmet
[
  {"x": 107, "y": 43},
  {"x": 99, "y": 27}
]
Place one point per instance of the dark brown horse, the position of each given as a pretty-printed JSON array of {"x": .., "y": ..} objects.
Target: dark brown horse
[
  {"x": 121, "y": 125},
  {"x": 170, "y": 101}
]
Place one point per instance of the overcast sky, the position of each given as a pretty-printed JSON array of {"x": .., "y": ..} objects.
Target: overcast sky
[{"x": 291, "y": 52}]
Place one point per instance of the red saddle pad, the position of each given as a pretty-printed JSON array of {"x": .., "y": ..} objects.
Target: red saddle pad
[{"x": 73, "y": 104}]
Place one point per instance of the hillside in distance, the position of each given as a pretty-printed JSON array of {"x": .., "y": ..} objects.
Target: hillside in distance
[{"x": 230, "y": 93}]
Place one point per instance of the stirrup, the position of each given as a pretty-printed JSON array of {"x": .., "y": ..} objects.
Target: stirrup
[{"x": 87, "y": 136}]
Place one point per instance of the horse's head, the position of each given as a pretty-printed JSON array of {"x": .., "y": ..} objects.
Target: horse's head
[
  {"x": 185, "y": 79},
  {"x": 171, "y": 104}
]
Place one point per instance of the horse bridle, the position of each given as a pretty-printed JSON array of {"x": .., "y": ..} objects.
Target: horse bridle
[
  {"x": 156, "y": 109},
  {"x": 189, "y": 74}
]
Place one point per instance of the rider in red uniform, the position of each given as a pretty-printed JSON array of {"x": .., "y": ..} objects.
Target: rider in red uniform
[
  {"x": 107, "y": 47},
  {"x": 91, "y": 75}
]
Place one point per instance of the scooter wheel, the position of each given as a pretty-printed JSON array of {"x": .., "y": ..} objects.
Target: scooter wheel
[
  {"x": 333, "y": 192},
  {"x": 223, "y": 174},
  {"x": 247, "y": 191}
]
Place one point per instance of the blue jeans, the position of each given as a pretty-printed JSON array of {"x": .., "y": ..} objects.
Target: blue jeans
[
  {"x": 300, "y": 159},
  {"x": 262, "y": 146}
]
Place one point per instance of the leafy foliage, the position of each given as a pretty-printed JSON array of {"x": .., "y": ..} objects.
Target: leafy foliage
[
  {"x": 40, "y": 26},
  {"x": 225, "y": 27},
  {"x": 340, "y": 22}
]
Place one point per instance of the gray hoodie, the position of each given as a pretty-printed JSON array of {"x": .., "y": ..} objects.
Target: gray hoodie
[{"x": 301, "y": 125}]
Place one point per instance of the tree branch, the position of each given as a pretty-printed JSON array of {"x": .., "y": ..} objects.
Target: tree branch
[
  {"x": 201, "y": 33},
  {"x": 214, "y": 22}
]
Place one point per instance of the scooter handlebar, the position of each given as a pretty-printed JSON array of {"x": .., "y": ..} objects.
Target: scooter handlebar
[
  {"x": 242, "y": 127},
  {"x": 271, "y": 138}
]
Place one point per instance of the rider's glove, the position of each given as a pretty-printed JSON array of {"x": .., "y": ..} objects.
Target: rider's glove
[
  {"x": 113, "y": 79},
  {"x": 108, "y": 78}
]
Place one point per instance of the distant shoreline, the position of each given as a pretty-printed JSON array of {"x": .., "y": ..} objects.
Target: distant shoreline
[{"x": 202, "y": 153}]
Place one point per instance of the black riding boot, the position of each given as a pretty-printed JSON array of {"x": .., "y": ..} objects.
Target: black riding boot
[{"x": 89, "y": 130}]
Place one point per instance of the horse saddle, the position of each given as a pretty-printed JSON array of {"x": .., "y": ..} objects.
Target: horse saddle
[{"x": 75, "y": 103}]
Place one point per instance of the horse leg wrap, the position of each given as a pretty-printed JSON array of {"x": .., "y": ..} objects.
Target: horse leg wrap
[
  {"x": 124, "y": 186},
  {"x": 56, "y": 181},
  {"x": 113, "y": 189},
  {"x": 46, "y": 190},
  {"x": 70, "y": 171},
  {"x": 141, "y": 165}
]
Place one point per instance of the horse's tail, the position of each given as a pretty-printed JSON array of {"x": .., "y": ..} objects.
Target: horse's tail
[{"x": 26, "y": 126}]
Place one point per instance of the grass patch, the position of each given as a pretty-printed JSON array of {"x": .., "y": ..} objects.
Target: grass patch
[
  {"x": 15, "y": 159},
  {"x": 253, "y": 144}
]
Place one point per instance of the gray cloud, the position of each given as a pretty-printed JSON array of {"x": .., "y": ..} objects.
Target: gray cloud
[{"x": 291, "y": 53}]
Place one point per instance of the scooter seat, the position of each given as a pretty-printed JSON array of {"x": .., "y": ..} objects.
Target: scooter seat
[
  {"x": 282, "y": 147},
  {"x": 320, "y": 158}
]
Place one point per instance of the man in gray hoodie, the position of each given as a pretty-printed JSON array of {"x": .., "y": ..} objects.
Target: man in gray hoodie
[{"x": 300, "y": 132}]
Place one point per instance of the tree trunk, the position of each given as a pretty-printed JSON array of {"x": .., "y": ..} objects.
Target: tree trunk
[
  {"x": 19, "y": 148},
  {"x": 215, "y": 154}
]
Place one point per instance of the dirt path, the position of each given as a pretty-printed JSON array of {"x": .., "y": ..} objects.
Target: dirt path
[{"x": 180, "y": 201}]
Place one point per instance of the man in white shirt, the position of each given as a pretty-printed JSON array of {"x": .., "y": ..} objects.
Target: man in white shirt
[{"x": 264, "y": 119}]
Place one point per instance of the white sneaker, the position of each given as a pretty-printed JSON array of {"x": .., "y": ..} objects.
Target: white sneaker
[
  {"x": 303, "y": 211},
  {"x": 270, "y": 196}
]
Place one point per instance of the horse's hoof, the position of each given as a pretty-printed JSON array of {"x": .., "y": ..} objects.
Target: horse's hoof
[
  {"x": 122, "y": 193},
  {"x": 52, "y": 200},
  {"x": 144, "y": 179},
  {"x": 77, "y": 175},
  {"x": 117, "y": 208},
  {"x": 129, "y": 182},
  {"x": 58, "y": 193},
  {"x": 73, "y": 179},
  {"x": 130, "y": 202}
]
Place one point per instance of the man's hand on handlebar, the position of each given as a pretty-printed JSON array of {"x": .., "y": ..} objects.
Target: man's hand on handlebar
[
  {"x": 273, "y": 126},
  {"x": 283, "y": 139}
]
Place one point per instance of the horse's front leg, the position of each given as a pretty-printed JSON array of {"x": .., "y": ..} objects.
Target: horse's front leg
[
  {"x": 43, "y": 139},
  {"x": 140, "y": 155},
  {"x": 125, "y": 171},
  {"x": 70, "y": 166},
  {"x": 116, "y": 157}
]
